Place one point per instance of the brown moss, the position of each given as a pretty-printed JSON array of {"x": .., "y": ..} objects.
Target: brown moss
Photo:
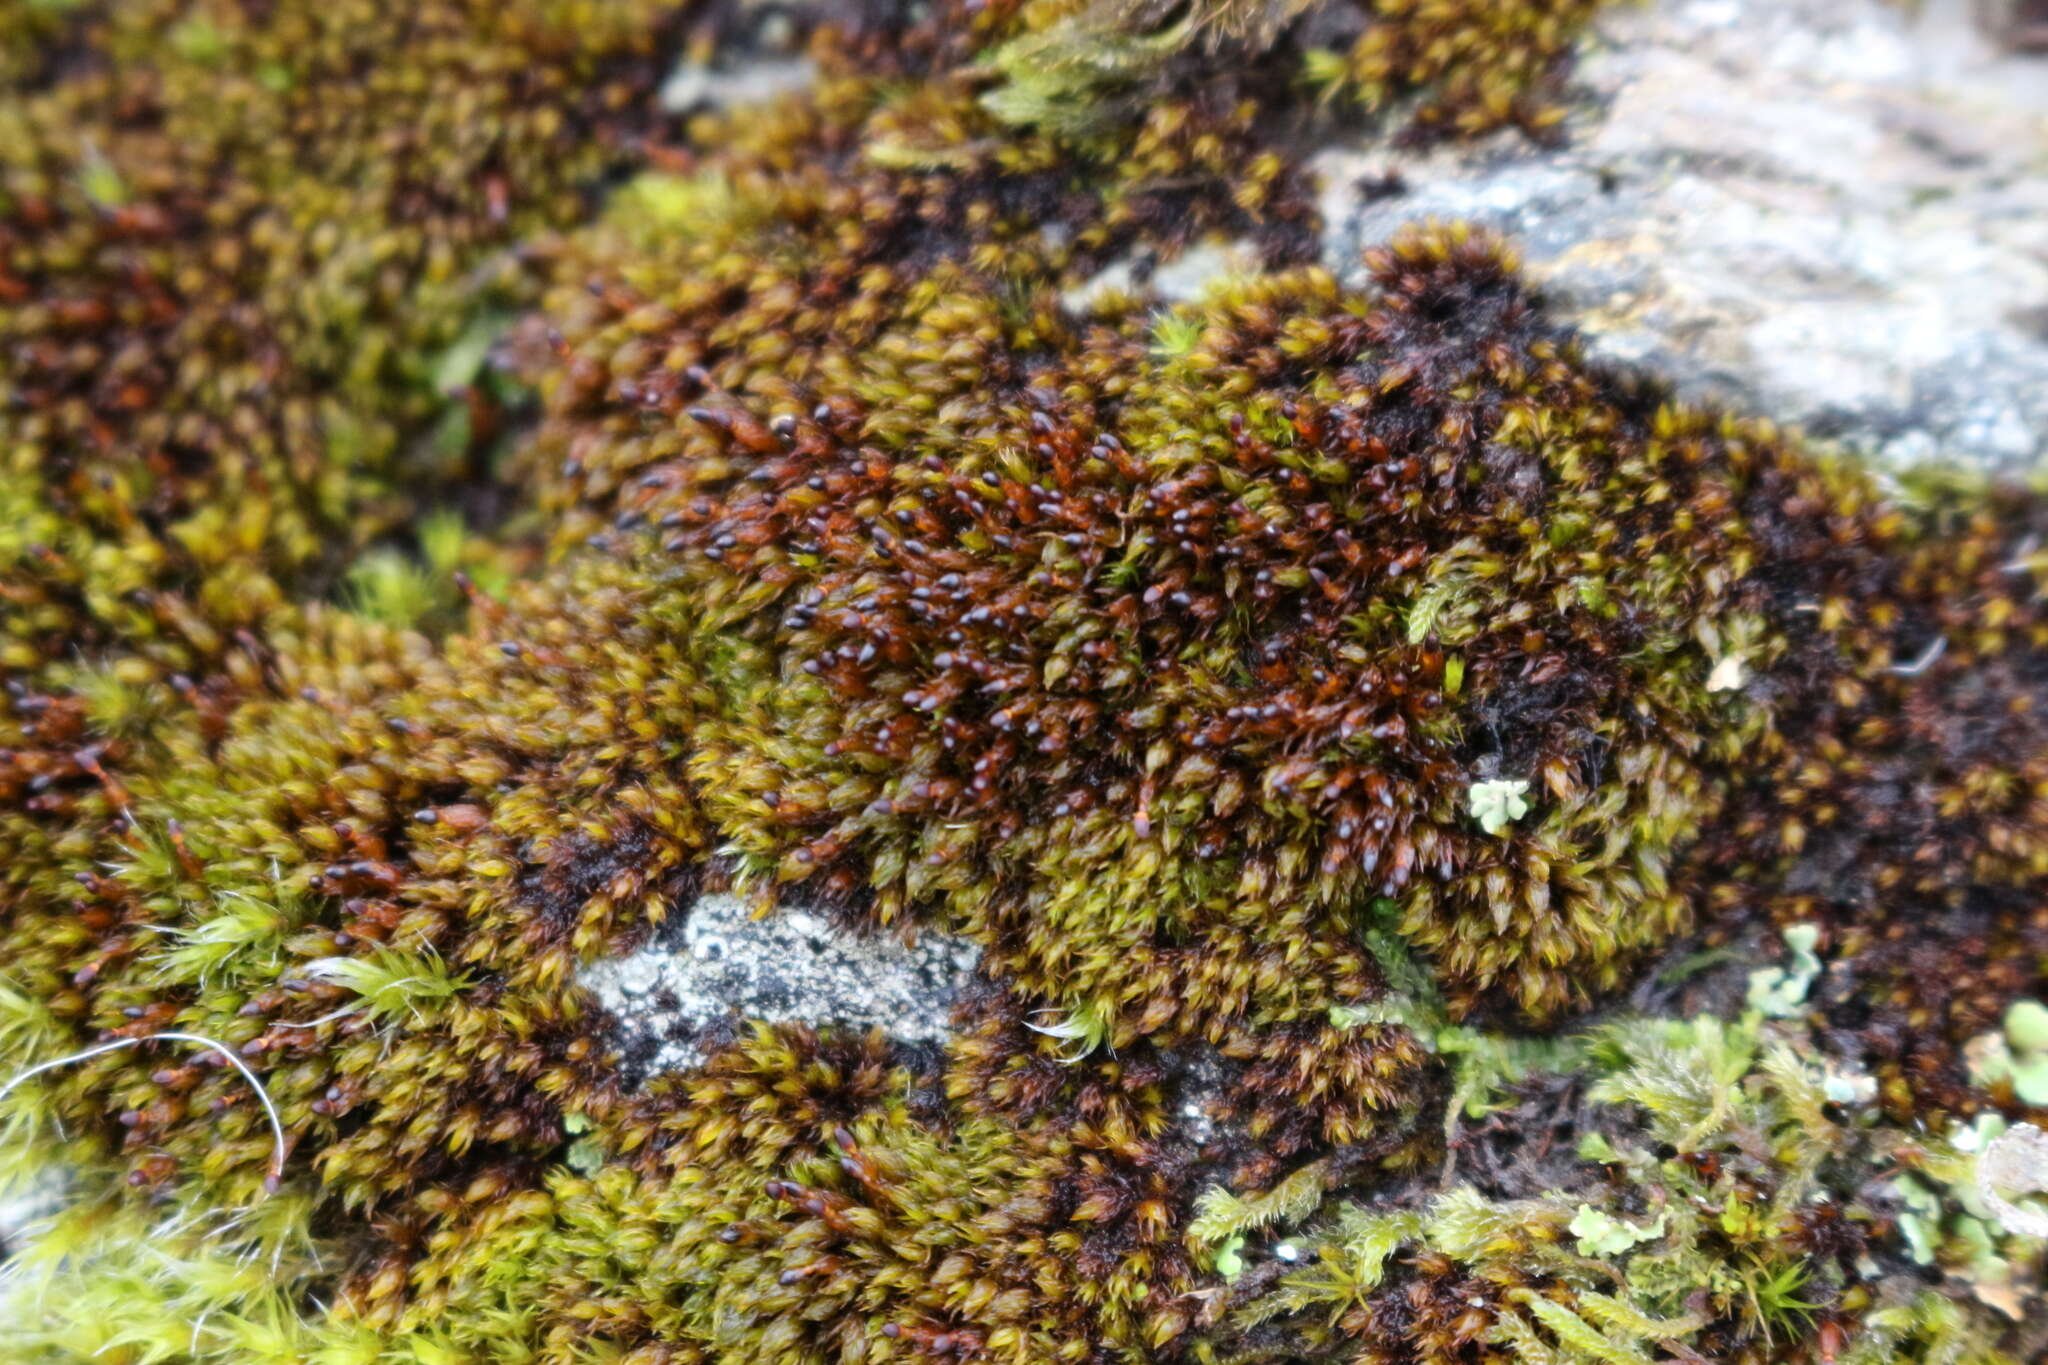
[{"x": 1150, "y": 647}]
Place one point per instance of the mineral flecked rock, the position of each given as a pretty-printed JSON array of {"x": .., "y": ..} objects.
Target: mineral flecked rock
[
  {"x": 720, "y": 961},
  {"x": 1832, "y": 210}
]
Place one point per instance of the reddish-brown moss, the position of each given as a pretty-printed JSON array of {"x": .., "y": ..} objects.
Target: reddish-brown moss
[{"x": 876, "y": 541}]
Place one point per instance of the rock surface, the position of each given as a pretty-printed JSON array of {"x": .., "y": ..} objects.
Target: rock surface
[
  {"x": 1834, "y": 212},
  {"x": 720, "y": 961},
  {"x": 23, "y": 1207}
]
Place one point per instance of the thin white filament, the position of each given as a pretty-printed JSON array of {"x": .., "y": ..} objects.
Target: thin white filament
[{"x": 269, "y": 1109}]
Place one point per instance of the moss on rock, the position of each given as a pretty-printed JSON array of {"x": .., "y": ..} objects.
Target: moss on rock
[{"x": 419, "y": 580}]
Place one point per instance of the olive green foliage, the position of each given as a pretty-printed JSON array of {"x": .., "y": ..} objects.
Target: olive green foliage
[
  {"x": 234, "y": 273},
  {"x": 1451, "y": 67},
  {"x": 452, "y": 509},
  {"x": 1481, "y": 64},
  {"x": 1724, "y": 1206}
]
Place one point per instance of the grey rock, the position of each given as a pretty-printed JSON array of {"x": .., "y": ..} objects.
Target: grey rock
[
  {"x": 694, "y": 85},
  {"x": 793, "y": 965},
  {"x": 26, "y": 1204},
  {"x": 1831, "y": 212},
  {"x": 1177, "y": 280}
]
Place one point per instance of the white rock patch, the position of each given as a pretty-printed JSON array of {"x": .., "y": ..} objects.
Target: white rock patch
[{"x": 794, "y": 965}]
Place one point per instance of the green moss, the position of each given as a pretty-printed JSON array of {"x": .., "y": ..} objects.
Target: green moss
[
  {"x": 1453, "y": 67},
  {"x": 417, "y": 580},
  {"x": 1480, "y": 65},
  {"x": 1727, "y": 1207}
]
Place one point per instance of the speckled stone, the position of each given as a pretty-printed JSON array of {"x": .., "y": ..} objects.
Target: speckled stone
[
  {"x": 720, "y": 962},
  {"x": 1831, "y": 212}
]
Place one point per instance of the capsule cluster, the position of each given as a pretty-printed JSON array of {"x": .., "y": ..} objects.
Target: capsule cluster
[
  {"x": 1907, "y": 817},
  {"x": 810, "y": 1196},
  {"x": 1480, "y": 65},
  {"x": 248, "y": 263},
  {"x": 1150, "y": 666}
]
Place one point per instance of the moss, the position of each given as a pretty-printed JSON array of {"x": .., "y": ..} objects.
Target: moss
[
  {"x": 1724, "y": 1207},
  {"x": 1195, "y": 638},
  {"x": 421, "y": 577},
  {"x": 234, "y": 270},
  {"x": 1451, "y": 68},
  {"x": 1480, "y": 65},
  {"x": 808, "y": 1196}
]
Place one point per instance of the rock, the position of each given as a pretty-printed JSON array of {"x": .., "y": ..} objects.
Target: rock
[
  {"x": 1832, "y": 212},
  {"x": 721, "y": 962},
  {"x": 698, "y": 85},
  {"x": 25, "y": 1204},
  {"x": 1175, "y": 280}
]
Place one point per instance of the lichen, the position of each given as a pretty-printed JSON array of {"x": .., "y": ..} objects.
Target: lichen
[
  {"x": 1722, "y": 1206},
  {"x": 452, "y": 512}
]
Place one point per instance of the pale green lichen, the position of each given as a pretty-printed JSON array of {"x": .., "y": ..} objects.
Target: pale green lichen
[
  {"x": 1781, "y": 991},
  {"x": 1497, "y": 804},
  {"x": 2015, "y": 1056}
]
